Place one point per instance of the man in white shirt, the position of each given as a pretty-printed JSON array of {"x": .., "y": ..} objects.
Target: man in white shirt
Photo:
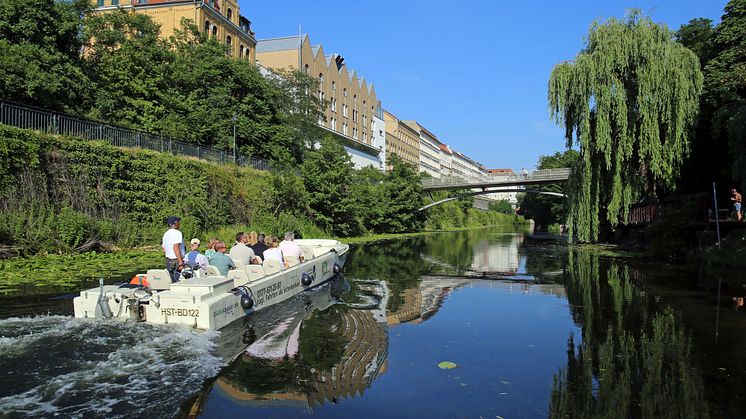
[
  {"x": 289, "y": 248},
  {"x": 173, "y": 247},
  {"x": 240, "y": 251}
]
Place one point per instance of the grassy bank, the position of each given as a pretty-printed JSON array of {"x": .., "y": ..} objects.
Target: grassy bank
[{"x": 50, "y": 274}]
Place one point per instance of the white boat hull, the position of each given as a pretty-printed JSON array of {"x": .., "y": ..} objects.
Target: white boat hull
[{"x": 213, "y": 302}]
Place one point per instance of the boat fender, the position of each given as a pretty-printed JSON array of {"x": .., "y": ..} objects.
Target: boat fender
[
  {"x": 306, "y": 279},
  {"x": 336, "y": 268},
  {"x": 247, "y": 303}
]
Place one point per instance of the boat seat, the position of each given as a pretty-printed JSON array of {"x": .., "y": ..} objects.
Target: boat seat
[
  {"x": 318, "y": 251},
  {"x": 239, "y": 277},
  {"x": 239, "y": 265},
  {"x": 255, "y": 272},
  {"x": 272, "y": 266},
  {"x": 307, "y": 254},
  {"x": 213, "y": 271},
  {"x": 159, "y": 279},
  {"x": 292, "y": 260}
]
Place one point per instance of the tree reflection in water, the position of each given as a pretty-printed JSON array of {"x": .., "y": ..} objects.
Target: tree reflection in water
[{"x": 633, "y": 361}]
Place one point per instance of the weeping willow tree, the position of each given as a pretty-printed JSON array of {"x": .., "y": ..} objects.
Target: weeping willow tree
[{"x": 628, "y": 101}]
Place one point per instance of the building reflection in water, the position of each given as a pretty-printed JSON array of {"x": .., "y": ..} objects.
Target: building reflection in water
[{"x": 342, "y": 350}]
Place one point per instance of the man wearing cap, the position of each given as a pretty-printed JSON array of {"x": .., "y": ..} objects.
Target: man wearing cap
[
  {"x": 173, "y": 247},
  {"x": 736, "y": 198},
  {"x": 194, "y": 258}
]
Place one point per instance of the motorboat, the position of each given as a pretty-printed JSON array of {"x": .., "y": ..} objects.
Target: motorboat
[{"x": 208, "y": 300}]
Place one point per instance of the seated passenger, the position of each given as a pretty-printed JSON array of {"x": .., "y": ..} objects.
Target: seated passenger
[
  {"x": 220, "y": 260},
  {"x": 240, "y": 251},
  {"x": 194, "y": 258},
  {"x": 273, "y": 251},
  {"x": 211, "y": 248},
  {"x": 260, "y": 246},
  {"x": 289, "y": 247},
  {"x": 253, "y": 238}
]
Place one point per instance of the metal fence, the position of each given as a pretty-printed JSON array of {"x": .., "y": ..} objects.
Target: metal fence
[{"x": 44, "y": 120}]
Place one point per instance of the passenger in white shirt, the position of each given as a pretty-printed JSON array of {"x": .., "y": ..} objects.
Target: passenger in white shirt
[
  {"x": 289, "y": 248},
  {"x": 173, "y": 247},
  {"x": 273, "y": 252},
  {"x": 241, "y": 251}
]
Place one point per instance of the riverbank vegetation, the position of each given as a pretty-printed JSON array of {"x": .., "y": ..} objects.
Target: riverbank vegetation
[{"x": 64, "y": 195}]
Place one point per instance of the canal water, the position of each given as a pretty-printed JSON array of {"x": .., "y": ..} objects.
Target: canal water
[{"x": 480, "y": 323}]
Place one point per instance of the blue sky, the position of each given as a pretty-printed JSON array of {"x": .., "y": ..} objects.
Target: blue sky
[{"x": 473, "y": 72}]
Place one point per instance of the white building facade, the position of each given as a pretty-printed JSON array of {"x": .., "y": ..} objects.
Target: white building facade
[{"x": 429, "y": 150}]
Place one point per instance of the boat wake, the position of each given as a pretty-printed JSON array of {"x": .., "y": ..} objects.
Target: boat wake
[{"x": 63, "y": 366}]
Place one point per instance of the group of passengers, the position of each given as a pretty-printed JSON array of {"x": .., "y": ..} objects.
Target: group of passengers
[{"x": 249, "y": 248}]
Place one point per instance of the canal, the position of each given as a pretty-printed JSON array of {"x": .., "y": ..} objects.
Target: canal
[{"x": 479, "y": 323}]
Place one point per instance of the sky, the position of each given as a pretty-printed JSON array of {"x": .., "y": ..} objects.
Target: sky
[{"x": 474, "y": 72}]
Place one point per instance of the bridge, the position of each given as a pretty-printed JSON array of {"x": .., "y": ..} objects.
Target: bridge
[
  {"x": 495, "y": 184},
  {"x": 537, "y": 177}
]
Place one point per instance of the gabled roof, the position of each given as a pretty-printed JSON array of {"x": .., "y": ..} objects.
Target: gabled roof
[{"x": 285, "y": 43}]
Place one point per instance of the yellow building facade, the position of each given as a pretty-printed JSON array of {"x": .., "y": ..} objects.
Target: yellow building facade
[
  {"x": 352, "y": 102},
  {"x": 220, "y": 19},
  {"x": 402, "y": 139}
]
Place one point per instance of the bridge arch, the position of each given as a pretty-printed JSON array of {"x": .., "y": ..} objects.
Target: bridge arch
[{"x": 484, "y": 192}]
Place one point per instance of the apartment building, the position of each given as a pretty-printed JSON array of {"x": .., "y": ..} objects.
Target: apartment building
[
  {"x": 220, "y": 19},
  {"x": 502, "y": 175},
  {"x": 429, "y": 150},
  {"x": 463, "y": 166},
  {"x": 446, "y": 161},
  {"x": 402, "y": 140},
  {"x": 353, "y": 114}
]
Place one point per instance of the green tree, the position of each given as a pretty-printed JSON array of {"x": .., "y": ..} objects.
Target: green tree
[
  {"x": 326, "y": 173},
  {"x": 130, "y": 66},
  {"x": 629, "y": 101},
  {"x": 404, "y": 195},
  {"x": 502, "y": 206},
  {"x": 697, "y": 36},
  {"x": 725, "y": 84},
  {"x": 544, "y": 209},
  {"x": 39, "y": 53}
]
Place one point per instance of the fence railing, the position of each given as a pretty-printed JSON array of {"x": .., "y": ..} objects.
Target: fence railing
[
  {"x": 456, "y": 182},
  {"x": 44, "y": 120}
]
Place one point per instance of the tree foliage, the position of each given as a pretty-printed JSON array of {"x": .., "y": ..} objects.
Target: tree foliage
[
  {"x": 543, "y": 209},
  {"x": 725, "y": 84},
  {"x": 628, "y": 101},
  {"x": 39, "y": 53}
]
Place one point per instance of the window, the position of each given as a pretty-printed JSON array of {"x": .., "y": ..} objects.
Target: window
[
  {"x": 365, "y": 137},
  {"x": 321, "y": 119},
  {"x": 228, "y": 40},
  {"x": 207, "y": 27},
  {"x": 240, "y": 51},
  {"x": 100, "y": 3},
  {"x": 214, "y": 30},
  {"x": 334, "y": 124},
  {"x": 344, "y": 128},
  {"x": 306, "y": 68},
  {"x": 354, "y": 132},
  {"x": 364, "y": 121},
  {"x": 229, "y": 14},
  {"x": 115, "y": 2},
  {"x": 321, "y": 87}
]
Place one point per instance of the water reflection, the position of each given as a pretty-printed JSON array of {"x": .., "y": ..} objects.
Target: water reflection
[
  {"x": 633, "y": 359},
  {"x": 340, "y": 351}
]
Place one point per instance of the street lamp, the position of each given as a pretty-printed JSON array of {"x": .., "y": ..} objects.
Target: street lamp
[{"x": 234, "y": 119}]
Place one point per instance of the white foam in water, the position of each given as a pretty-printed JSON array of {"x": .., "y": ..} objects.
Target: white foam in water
[{"x": 62, "y": 366}]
